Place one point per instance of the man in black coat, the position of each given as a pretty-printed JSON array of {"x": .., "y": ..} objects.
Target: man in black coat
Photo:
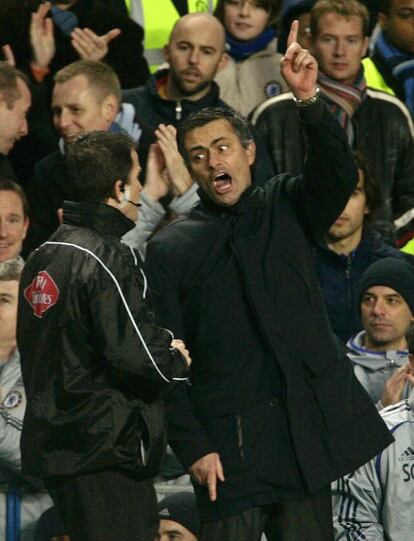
[
  {"x": 274, "y": 412},
  {"x": 93, "y": 362}
]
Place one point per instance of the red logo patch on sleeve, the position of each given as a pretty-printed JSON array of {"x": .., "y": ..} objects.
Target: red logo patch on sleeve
[{"x": 42, "y": 293}]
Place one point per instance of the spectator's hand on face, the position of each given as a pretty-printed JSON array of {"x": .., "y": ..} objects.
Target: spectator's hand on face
[
  {"x": 299, "y": 67},
  {"x": 178, "y": 174},
  {"x": 89, "y": 45},
  {"x": 395, "y": 384},
  {"x": 41, "y": 37}
]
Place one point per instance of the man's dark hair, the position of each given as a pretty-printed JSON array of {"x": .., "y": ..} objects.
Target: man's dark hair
[
  {"x": 273, "y": 7},
  {"x": 9, "y": 91},
  {"x": 7, "y": 185},
  {"x": 372, "y": 190},
  {"x": 210, "y": 114},
  {"x": 344, "y": 8},
  {"x": 95, "y": 161},
  {"x": 410, "y": 339}
]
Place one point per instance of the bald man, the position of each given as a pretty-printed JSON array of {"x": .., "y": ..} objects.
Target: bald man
[{"x": 195, "y": 52}]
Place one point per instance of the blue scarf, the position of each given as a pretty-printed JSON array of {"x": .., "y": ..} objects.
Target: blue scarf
[
  {"x": 240, "y": 50},
  {"x": 401, "y": 66}
]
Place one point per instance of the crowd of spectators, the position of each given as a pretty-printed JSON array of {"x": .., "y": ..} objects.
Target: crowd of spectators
[{"x": 72, "y": 67}]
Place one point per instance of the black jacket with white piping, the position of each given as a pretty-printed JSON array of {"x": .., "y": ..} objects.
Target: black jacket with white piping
[{"x": 93, "y": 362}]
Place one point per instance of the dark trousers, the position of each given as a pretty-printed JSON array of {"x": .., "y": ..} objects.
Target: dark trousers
[
  {"x": 105, "y": 506},
  {"x": 308, "y": 519}
]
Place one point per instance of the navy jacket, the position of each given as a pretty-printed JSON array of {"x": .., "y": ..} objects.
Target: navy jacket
[{"x": 339, "y": 276}]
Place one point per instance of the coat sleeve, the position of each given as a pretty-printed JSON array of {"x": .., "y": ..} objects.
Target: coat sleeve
[
  {"x": 403, "y": 192},
  {"x": 357, "y": 503},
  {"x": 330, "y": 173},
  {"x": 185, "y": 433},
  {"x": 137, "y": 352}
]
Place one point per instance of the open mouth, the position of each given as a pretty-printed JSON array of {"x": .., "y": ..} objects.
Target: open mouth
[{"x": 222, "y": 183}]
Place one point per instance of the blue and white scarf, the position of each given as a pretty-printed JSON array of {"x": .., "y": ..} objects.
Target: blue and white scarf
[{"x": 401, "y": 66}]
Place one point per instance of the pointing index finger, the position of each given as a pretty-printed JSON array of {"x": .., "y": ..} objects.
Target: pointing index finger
[{"x": 293, "y": 34}]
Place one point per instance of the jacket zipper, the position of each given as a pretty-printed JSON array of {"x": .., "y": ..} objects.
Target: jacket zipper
[{"x": 178, "y": 110}]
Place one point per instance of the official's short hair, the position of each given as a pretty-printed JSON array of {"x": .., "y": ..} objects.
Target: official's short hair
[
  {"x": 372, "y": 190},
  {"x": 11, "y": 269},
  {"x": 345, "y": 8},
  {"x": 95, "y": 161},
  {"x": 100, "y": 76},
  {"x": 207, "y": 115},
  {"x": 273, "y": 7},
  {"x": 7, "y": 185},
  {"x": 9, "y": 91},
  {"x": 410, "y": 339}
]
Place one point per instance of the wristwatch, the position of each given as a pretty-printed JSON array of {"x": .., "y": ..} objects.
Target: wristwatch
[{"x": 309, "y": 101}]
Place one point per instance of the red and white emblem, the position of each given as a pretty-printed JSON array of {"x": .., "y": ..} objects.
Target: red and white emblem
[{"x": 42, "y": 293}]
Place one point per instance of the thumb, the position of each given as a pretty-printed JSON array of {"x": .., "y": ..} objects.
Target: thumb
[{"x": 109, "y": 36}]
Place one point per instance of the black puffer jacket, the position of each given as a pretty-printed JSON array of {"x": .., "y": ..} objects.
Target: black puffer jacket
[{"x": 93, "y": 362}]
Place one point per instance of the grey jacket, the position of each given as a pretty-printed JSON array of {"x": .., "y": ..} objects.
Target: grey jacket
[
  {"x": 12, "y": 408},
  {"x": 373, "y": 368},
  {"x": 375, "y": 503}
]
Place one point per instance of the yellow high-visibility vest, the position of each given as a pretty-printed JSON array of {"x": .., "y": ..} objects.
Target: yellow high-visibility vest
[
  {"x": 374, "y": 78},
  {"x": 159, "y": 17}
]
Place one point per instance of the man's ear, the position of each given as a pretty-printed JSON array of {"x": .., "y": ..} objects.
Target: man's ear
[
  {"x": 366, "y": 45},
  {"x": 251, "y": 152},
  {"x": 224, "y": 60},
  {"x": 382, "y": 20},
  {"x": 166, "y": 53},
  {"x": 119, "y": 188},
  {"x": 26, "y": 225},
  {"x": 110, "y": 108}
]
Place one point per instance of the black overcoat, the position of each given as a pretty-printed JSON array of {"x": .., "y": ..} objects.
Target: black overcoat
[{"x": 271, "y": 390}]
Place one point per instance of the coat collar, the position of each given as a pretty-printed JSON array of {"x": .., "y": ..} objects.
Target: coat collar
[{"x": 101, "y": 217}]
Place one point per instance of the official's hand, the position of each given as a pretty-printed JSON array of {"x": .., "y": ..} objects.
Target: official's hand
[
  {"x": 299, "y": 67},
  {"x": 89, "y": 45},
  {"x": 206, "y": 471},
  {"x": 41, "y": 37},
  {"x": 178, "y": 174},
  {"x": 179, "y": 344},
  {"x": 394, "y": 386}
]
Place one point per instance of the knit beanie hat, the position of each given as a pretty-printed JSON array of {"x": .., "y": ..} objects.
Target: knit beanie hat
[
  {"x": 390, "y": 272},
  {"x": 181, "y": 508}
]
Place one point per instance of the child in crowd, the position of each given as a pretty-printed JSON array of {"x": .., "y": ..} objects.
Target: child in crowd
[{"x": 252, "y": 73}]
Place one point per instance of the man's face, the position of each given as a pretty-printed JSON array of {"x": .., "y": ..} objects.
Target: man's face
[
  {"x": 195, "y": 53},
  {"x": 218, "y": 161},
  {"x": 351, "y": 221},
  {"x": 9, "y": 291},
  {"x": 398, "y": 25},
  {"x": 173, "y": 531},
  {"x": 13, "y": 225},
  {"x": 244, "y": 20},
  {"x": 13, "y": 123},
  {"x": 386, "y": 318},
  {"x": 77, "y": 108},
  {"x": 339, "y": 46}
]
